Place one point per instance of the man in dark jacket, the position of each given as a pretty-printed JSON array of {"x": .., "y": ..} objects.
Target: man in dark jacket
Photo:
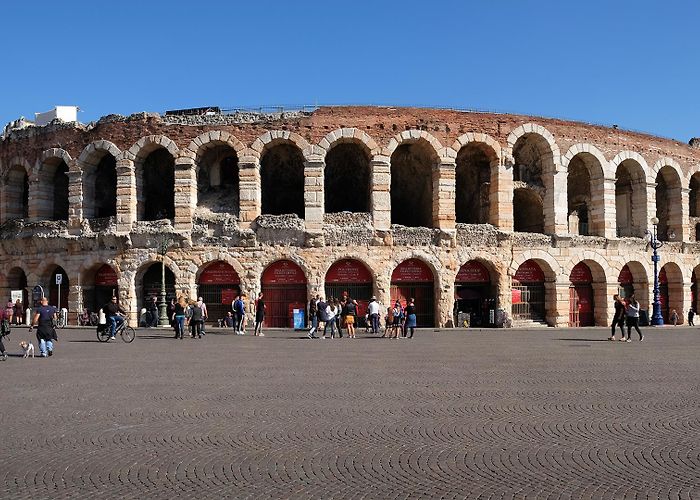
[
  {"x": 115, "y": 314},
  {"x": 619, "y": 317},
  {"x": 45, "y": 332}
]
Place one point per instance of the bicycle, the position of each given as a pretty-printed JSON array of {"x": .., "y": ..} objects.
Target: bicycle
[{"x": 127, "y": 333}]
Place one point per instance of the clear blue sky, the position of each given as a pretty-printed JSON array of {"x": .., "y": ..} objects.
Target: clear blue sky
[{"x": 635, "y": 63}]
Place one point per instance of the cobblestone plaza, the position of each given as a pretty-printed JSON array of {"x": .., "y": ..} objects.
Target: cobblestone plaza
[{"x": 451, "y": 414}]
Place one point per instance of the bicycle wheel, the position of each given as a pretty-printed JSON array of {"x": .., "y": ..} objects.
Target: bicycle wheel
[
  {"x": 102, "y": 334},
  {"x": 128, "y": 334}
]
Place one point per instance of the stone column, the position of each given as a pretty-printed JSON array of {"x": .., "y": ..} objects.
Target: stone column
[
  {"x": 126, "y": 195},
  {"x": 501, "y": 195},
  {"x": 609, "y": 210},
  {"x": 75, "y": 198},
  {"x": 642, "y": 220},
  {"x": 249, "y": 191},
  {"x": 313, "y": 196},
  {"x": 555, "y": 203},
  {"x": 682, "y": 214},
  {"x": 37, "y": 201},
  {"x": 185, "y": 193},
  {"x": 557, "y": 303},
  {"x": 445, "y": 302},
  {"x": 444, "y": 193},
  {"x": 687, "y": 296},
  {"x": 380, "y": 198}
]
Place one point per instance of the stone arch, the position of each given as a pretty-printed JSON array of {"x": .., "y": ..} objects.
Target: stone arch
[
  {"x": 672, "y": 293},
  {"x": 347, "y": 176},
  {"x": 412, "y": 136},
  {"x": 585, "y": 168},
  {"x": 282, "y": 172},
  {"x": 200, "y": 144},
  {"x": 351, "y": 135},
  {"x": 413, "y": 165},
  {"x": 98, "y": 166},
  {"x": 154, "y": 167},
  {"x": 216, "y": 155},
  {"x": 273, "y": 137},
  {"x": 631, "y": 207},
  {"x": 532, "y": 128},
  {"x": 15, "y": 189},
  {"x": 328, "y": 263},
  {"x": 478, "y": 158},
  {"x": 302, "y": 263},
  {"x": 671, "y": 163},
  {"x": 211, "y": 257},
  {"x": 50, "y": 182},
  {"x": 438, "y": 298},
  {"x": 669, "y": 201},
  {"x": 694, "y": 204},
  {"x": 550, "y": 267},
  {"x": 643, "y": 276},
  {"x": 597, "y": 265}
]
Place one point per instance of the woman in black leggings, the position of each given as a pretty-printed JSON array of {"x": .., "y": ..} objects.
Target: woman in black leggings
[{"x": 632, "y": 311}]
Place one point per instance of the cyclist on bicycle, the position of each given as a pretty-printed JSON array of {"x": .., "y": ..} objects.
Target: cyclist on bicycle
[{"x": 116, "y": 314}]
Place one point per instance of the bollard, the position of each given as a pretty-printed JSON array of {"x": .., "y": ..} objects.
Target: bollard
[{"x": 28, "y": 317}]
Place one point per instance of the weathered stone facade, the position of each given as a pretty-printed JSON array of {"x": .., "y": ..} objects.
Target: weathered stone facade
[{"x": 579, "y": 193}]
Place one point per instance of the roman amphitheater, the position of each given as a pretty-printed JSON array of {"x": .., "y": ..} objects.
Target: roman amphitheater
[{"x": 467, "y": 212}]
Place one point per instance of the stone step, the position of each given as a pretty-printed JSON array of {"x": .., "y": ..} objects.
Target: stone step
[{"x": 529, "y": 323}]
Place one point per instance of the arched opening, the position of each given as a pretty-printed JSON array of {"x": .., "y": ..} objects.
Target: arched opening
[
  {"x": 528, "y": 292},
  {"x": 473, "y": 183},
  {"x": 59, "y": 288},
  {"x": 671, "y": 292},
  {"x": 630, "y": 199},
  {"x": 151, "y": 284},
  {"x": 633, "y": 280},
  {"x": 155, "y": 185},
  {"x": 668, "y": 204},
  {"x": 52, "y": 192},
  {"x": 282, "y": 181},
  {"x": 17, "y": 284},
  {"x": 352, "y": 278},
  {"x": 581, "y": 299},
  {"x": 99, "y": 285},
  {"x": 585, "y": 196},
  {"x": 475, "y": 295},
  {"x": 283, "y": 284},
  {"x": 17, "y": 194},
  {"x": 694, "y": 291},
  {"x": 347, "y": 179},
  {"x": 694, "y": 208},
  {"x": 528, "y": 215},
  {"x": 100, "y": 188},
  {"x": 218, "y": 285},
  {"x": 412, "y": 168},
  {"x": 217, "y": 181},
  {"x": 414, "y": 279}
]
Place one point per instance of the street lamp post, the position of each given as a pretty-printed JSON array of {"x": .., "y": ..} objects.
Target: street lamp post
[
  {"x": 163, "y": 246},
  {"x": 656, "y": 318}
]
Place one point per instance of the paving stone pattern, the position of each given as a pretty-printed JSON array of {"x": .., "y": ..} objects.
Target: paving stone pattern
[{"x": 496, "y": 414}]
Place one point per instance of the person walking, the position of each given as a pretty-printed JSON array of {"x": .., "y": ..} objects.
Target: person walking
[
  {"x": 178, "y": 318},
  {"x": 313, "y": 316},
  {"x": 152, "y": 312},
  {"x": 240, "y": 312},
  {"x": 259, "y": 315},
  {"x": 632, "y": 320},
  {"x": 618, "y": 317},
  {"x": 330, "y": 318},
  {"x": 373, "y": 312},
  {"x": 691, "y": 315},
  {"x": 205, "y": 314},
  {"x": 18, "y": 313},
  {"x": 45, "y": 332},
  {"x": 396, "y": 319},
  {"x": 4, "y": 331},
  {"x": 196, "y": 319},
  {"x": 321, "y": 315},
  {"x": 410, "y": 319},
  {"x": 673, "y": 317}
]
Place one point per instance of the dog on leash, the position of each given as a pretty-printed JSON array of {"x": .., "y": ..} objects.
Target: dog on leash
[{"x": 28, "y": 349}]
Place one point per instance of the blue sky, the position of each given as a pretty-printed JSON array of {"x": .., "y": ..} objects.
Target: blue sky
[{"x": 632, "y": 63}]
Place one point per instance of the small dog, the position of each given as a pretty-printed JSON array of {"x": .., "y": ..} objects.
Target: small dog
[{"x": 28, "y": 348}]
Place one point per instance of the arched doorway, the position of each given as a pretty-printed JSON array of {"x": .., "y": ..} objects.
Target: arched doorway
[
  {"x": 151, "y": 284},
  {"x": 581, "y": 303},
  {"x": 473, "y": 183},
  {"x": 99, "y": 288},
  {"x": 218, "y": 284},
  {"x": 282, "y": 181},
  {"x": 663, "y": 294},
  {"x": 217, "y": 181},
  {"x": 283, "y": 284},
  {"x": 17, "y": 284},
  {"x": 155, "y": 186},
  {"x": 474, "y": 294},
  {"x": 352, "y": 277},
  {"x": 414, "y": 279},
  {"x": 411, "y": 192},
  {"x": 54, "y": 287},
  {"x": 694, "y": 292},
  {"x": 347, "y": 179},
  {"x": 528, "y": 292}
]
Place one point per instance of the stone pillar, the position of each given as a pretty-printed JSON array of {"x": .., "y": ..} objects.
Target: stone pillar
[
  {"x": 313, "y": 196},
  {"x": 444, "y": 193},
  {"x": 380, "y": 198},
  {"x": 185, "y": 193},
  {"x": 609, "y": 210},
  {"x": 74, "y": 301},
  {"x": 643, "y": 220},
  {"x": 250, "y": 195},
  {"x": 4, "y": 200},
  {"x": 501, "y": 196},
  {"x": 126, "y": 195},
  {"x": 128, "y": 298},
  {"x": 687, "y": 295},
  {"x": 681, "y": 214},
  {"x": 555, "y": 203},
  {"x": 75, "y": 198},
  {"x": 445, "y": 302},
  {"x": 557, "y": 303},
  {"x": 37, "y": 201}
]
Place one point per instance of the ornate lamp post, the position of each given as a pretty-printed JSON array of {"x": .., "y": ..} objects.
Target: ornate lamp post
[
  {"x": 656, "y": 318},
  {"x": 163, "y": 245}
]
